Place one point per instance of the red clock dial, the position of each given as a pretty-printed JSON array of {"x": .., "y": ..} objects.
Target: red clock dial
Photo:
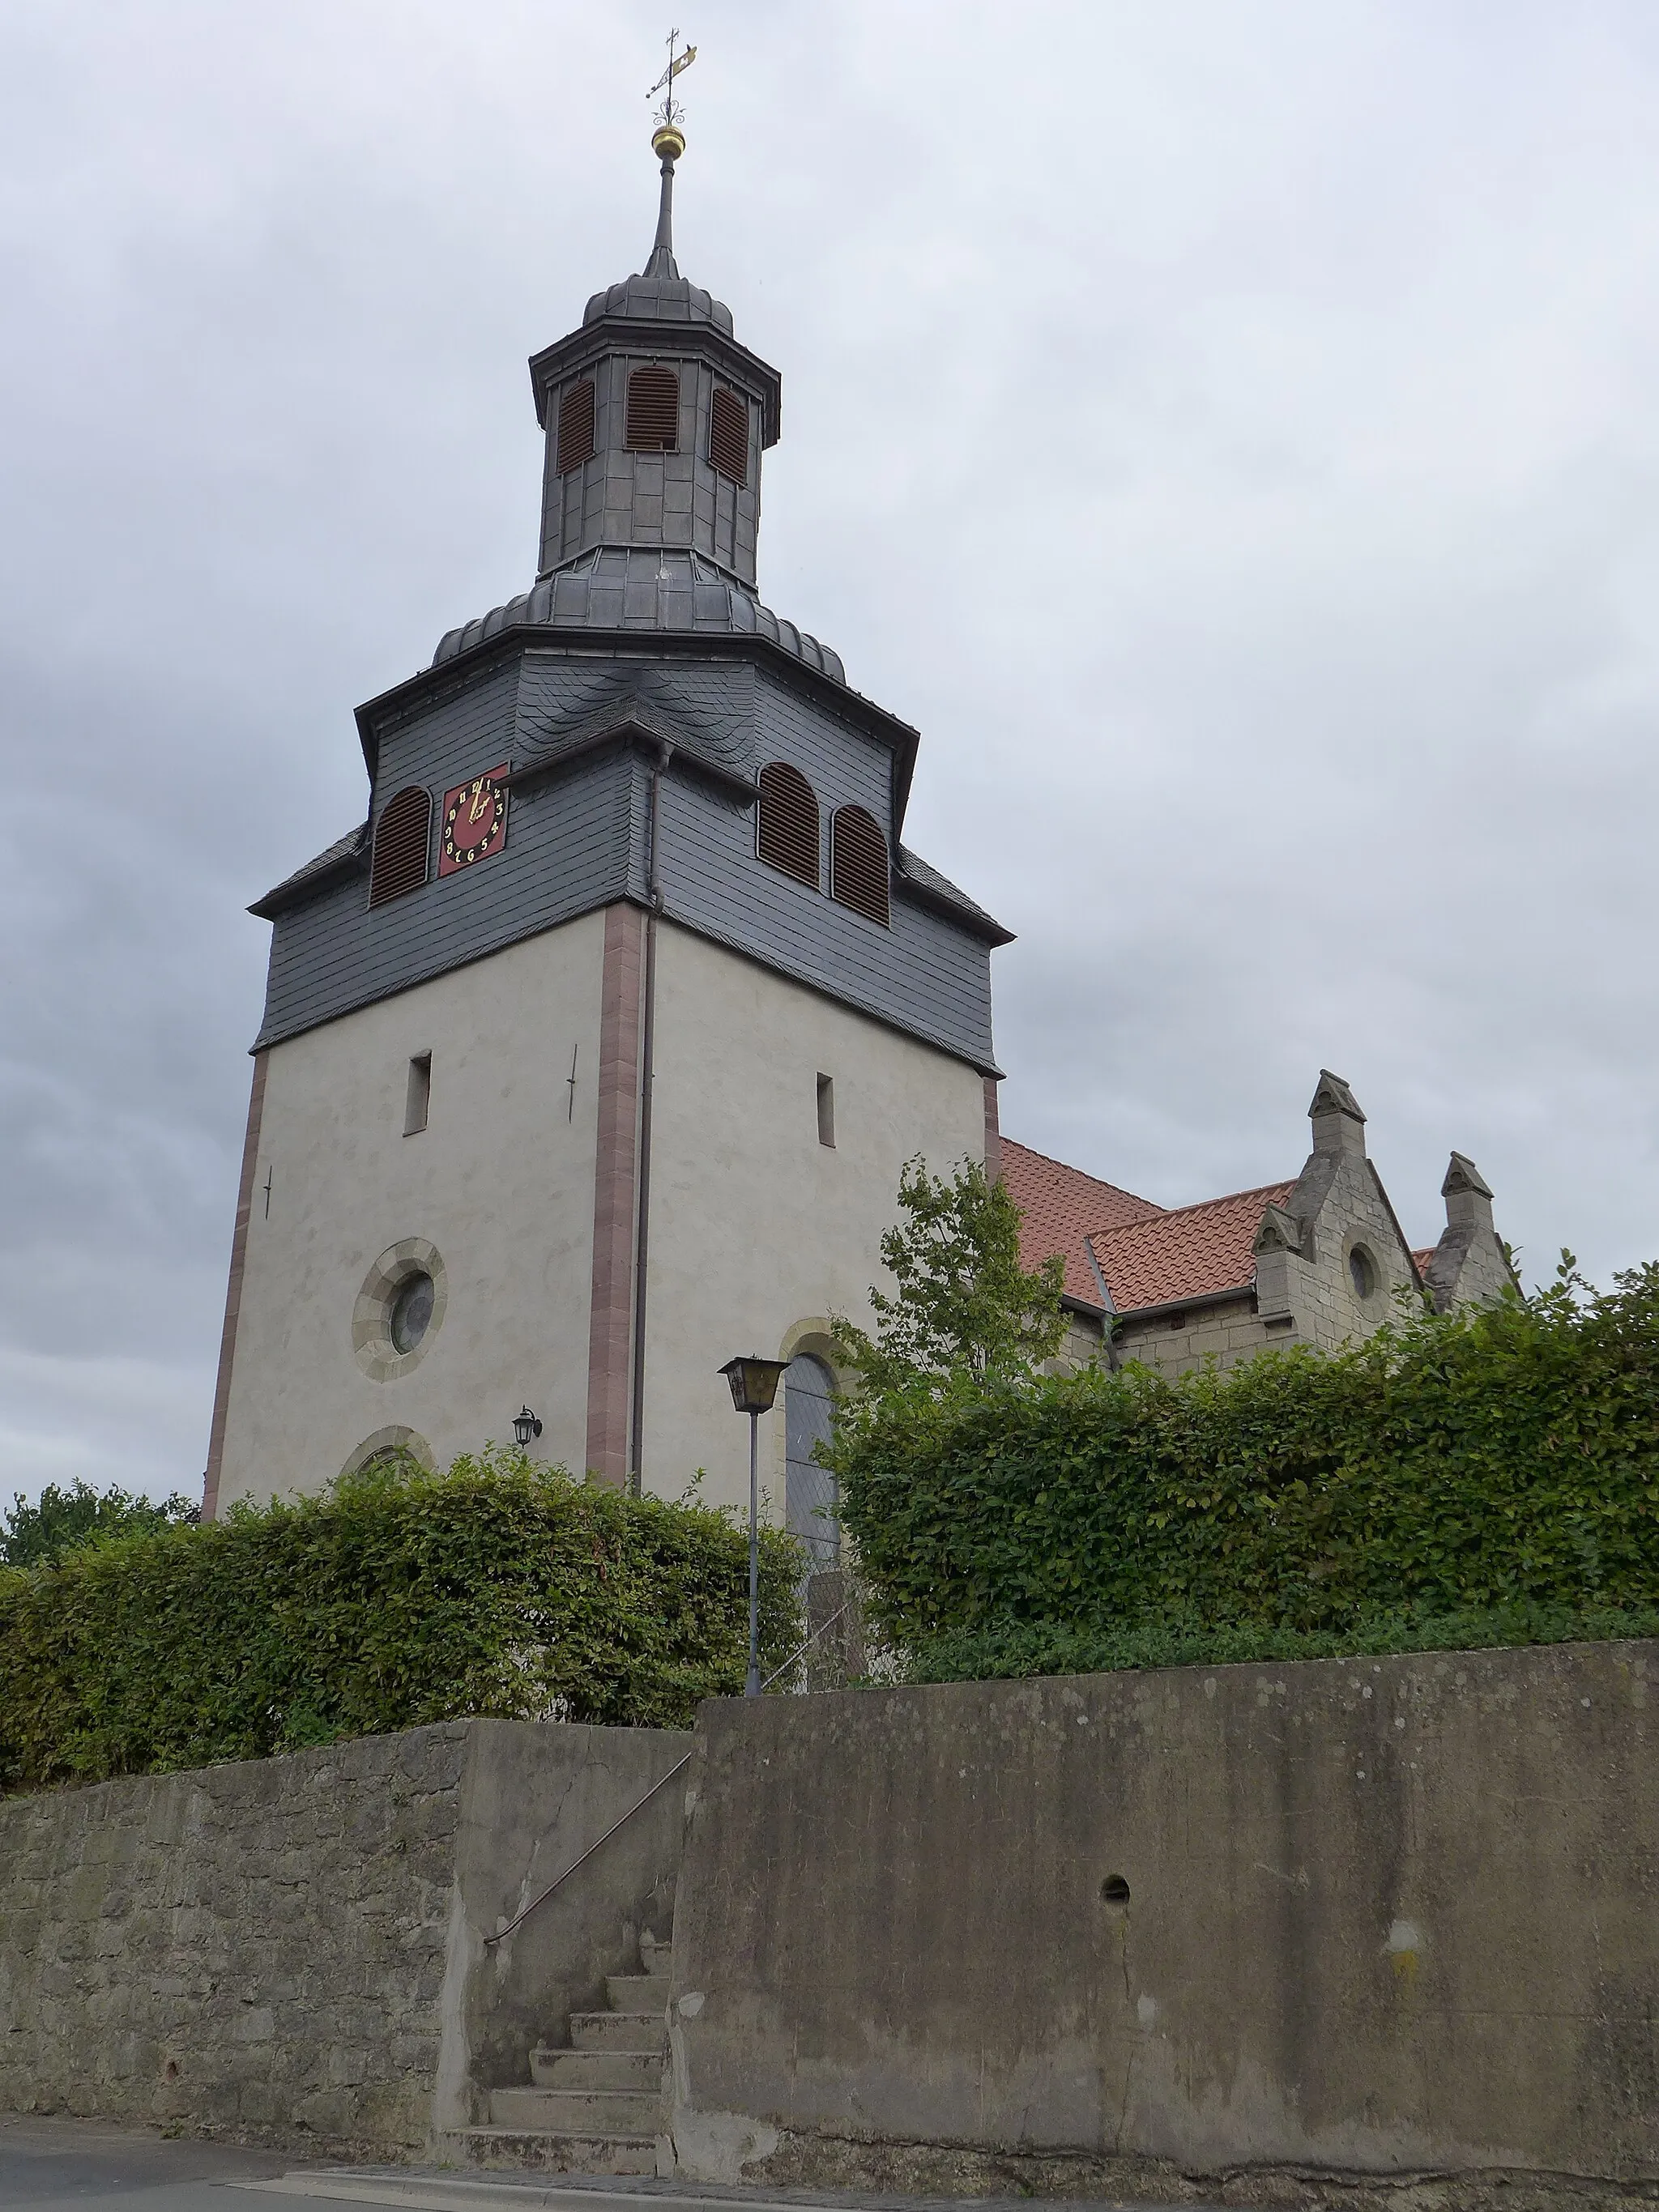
[{"x": 474, "y": 824}]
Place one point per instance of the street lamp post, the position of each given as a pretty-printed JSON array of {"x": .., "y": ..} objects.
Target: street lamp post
[{"x": 754, "y": 1387}]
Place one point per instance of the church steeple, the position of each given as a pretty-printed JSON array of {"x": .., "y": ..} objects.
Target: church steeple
[{"x": 655, "y": 417}]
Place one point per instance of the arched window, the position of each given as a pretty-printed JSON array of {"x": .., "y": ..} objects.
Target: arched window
[
  {"x": 402, "y": 836},
  {"x": 576, "y": 427},
  {"x": 728, "y": 435},
  {"x": 858, "y": 863},
  {"x": 809, "y": 1490},
  {"x": 654, "y": 410},
  {"x": 786, "y": 822}
]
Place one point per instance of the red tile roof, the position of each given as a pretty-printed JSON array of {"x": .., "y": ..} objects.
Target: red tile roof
[
  {"x": 1424, "y": 1257},
  {"x": 1062, "y": 1207},
  {"x": 1190, "y": 1252}
]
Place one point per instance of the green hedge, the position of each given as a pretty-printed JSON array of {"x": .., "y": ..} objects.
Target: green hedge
[
  {"x": 1504, "y": 1456},
  {"x": 1047, "y": 1647},
  {"x": 500, "y": 1588}
]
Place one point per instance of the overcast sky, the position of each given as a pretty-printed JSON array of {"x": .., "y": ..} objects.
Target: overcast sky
[{"x": 1226, "y": 428}]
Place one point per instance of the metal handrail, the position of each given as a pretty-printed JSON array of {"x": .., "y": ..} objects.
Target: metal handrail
[
  {"x": 501, "y": 1934},
  {"x": 807, "y": 1646}
]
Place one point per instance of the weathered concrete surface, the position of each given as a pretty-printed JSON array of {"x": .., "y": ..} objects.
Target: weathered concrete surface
[
  {"x": 1384, "y": 1918},
  {"x": 293, "y": 1950}
]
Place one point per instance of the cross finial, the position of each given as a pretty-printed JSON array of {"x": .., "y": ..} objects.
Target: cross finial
[{"x": 671, "y": 115}]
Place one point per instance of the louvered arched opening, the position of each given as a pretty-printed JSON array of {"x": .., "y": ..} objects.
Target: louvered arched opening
[
  {"x": 728, "y": 435},
  {"x": 786, "y": 822},
  {"x": 858, "y": 863},
  {"x": 654, "y": 410},
  {"x": 402, "y": 836},
  {"x": 576, "y": 427}
]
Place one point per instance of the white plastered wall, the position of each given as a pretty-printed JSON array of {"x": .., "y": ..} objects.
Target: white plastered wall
[
  {"x": 501, "y": 1182},
  {"x": 759, "y": 1232}
]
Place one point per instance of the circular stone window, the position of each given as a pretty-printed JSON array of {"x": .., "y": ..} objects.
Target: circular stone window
[
  {"x": 399, "y": 1309},
  {"x": 1362, "y": 1271}
]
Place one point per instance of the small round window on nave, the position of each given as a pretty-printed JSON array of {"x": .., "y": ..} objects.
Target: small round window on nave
[
  {"x": 411, "y": 1313},
  {"x": 1362, "y": 1271}
]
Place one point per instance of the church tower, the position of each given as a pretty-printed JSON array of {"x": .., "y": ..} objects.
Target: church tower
[{"x": 593, "y": 1057}]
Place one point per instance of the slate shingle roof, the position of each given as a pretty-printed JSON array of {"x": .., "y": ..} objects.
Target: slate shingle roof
[
  {"x": 349, "y": 848},
  {"x": 1062, "y": 1207},
  {"x": 1187, "y": 1252},
  {"x": 622, "y": 588}
]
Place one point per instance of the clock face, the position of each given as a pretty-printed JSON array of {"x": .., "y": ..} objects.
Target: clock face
[{"x": 474, "y": 820}]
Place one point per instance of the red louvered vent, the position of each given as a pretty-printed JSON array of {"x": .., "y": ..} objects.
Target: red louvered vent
[
  {"x": 858, "y": 863},
  {"x": 786, "y": 822},
  {"x": 402, "y": 836},
  {"x": 654, "y": 410},
  {"x": 575, "y": 428},
  {"x": 728, "y": 435}
]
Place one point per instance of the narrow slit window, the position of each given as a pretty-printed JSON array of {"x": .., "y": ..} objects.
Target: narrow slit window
[
  {"x": 858, "y": 863},
  {"x": 402, "y": 836},
  {"x": 654, "y": 410},
  {"x": 728, "y": 436},
  {"x": 827, "y": 1110},
  {"x": 418, "y": 1100},
  {"x": 786, "y": 822},
  {"x": 576, "y": 426}
]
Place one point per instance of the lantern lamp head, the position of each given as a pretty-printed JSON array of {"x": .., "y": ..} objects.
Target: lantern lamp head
[
  {"x": 526, "y": 1427},
  {"x": 754, "y": 1382}
]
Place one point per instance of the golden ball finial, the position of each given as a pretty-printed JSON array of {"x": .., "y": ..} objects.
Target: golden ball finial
[{"x": 668, "y": 142}]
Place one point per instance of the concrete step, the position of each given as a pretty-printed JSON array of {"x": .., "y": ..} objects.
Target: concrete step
[
  {"x": 619, "y": 2030},
  {"x": 579, "y": 2111},
  {"x": 539, "y": 2150},
  {"x": 636, "y": 1992},
  {"x": 638, "y": 2070}
]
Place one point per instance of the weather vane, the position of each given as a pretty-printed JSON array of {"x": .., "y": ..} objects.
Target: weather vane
[{"x": 669, "y": 117}]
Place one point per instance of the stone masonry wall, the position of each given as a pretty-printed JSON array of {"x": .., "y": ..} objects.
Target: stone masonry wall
[
  {"x": 249, "y": 1947},
  {"x": 293, "y": 1950},
  {"x": 1225, "y": 1333},
  {"x": 1327, "y": 1311}
]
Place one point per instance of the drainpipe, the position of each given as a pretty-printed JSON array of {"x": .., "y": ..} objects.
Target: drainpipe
[{"x": 647, "y": 1052}]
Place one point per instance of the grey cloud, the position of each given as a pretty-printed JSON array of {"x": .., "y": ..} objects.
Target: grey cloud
[{"x": 1227, "y": 433}]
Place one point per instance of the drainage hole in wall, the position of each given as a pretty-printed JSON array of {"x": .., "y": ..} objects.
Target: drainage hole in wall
[
  {"x": 170, "y": 2070},
  {"x": 1115, "y": 1890}
]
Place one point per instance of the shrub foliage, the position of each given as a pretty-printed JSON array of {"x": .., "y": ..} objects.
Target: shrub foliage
[
  {"x": 1506, "y": 1456},
  {"x": 60, "y": 1520},
  {"x": 396, "y": 1599}
]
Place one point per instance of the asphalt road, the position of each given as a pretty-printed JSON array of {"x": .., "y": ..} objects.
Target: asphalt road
[
  {"x": 55, "y": 2163},
  {"x": 64, "y": 2162}
]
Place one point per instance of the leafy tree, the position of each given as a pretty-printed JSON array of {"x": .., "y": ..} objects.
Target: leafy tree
[
  {"x": 62, "y": 1521},
  {"x": 964, "y": 1306}
]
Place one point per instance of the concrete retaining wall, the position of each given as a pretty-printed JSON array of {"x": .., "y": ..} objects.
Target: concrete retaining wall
[
  {"x": 1365, "y": 1918},
  {"x": 294, "y": 1947}
]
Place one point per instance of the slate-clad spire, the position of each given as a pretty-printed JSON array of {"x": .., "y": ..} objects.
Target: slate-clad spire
[
  {"x": 655, "y": 417},
  {"x": 669, "y": 145}
]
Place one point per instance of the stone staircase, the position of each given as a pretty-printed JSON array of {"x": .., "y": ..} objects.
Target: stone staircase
[{"x": 596, "y": 2107}]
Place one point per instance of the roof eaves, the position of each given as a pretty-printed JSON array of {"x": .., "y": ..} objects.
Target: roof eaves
[
  {"x": 344, "y": 858},
  {"x": 1222, "y": 1295},
  {"x": 961, "y": 910}
]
